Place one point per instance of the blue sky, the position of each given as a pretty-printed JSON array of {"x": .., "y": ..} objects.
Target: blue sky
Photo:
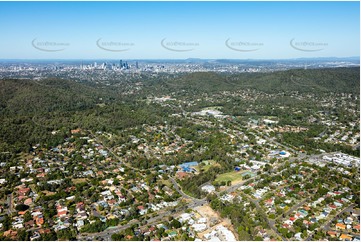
[{"x": 317, "y": 29}]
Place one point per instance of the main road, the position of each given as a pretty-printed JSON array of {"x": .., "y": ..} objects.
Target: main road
[
  {"x": 106, "y": 234},
  {"x": 10, "y": 203},
  {"x": 110, "y": 150}
]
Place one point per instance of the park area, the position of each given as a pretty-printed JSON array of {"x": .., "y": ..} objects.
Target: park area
[{"x": 233, "y": 176}]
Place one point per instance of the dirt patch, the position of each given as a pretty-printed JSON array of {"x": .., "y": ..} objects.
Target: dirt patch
[
  {"x": 79, "y": 180},
  {"x": 48, "y": 193},
  {"x": 213, "y": 220},
  {"x": 206, "y": 211}
]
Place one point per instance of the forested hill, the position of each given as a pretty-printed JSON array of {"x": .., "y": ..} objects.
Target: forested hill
[
  {"x": 26, "y": 96},
  {"x": 29, "y": 96},
  {"x": 313, "y": 80},
  {"x": 30, "y": 110}
]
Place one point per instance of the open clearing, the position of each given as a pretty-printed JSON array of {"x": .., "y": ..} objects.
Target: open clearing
[
  {"x": 206, "y": 165},
  {"x": 48, "y": 193},
  {"x": 232, "y": 176},
  {"x": 79, "y": 180}
]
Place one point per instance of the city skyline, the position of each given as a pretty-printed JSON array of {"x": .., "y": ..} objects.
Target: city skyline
[{"x": 179, "y": 30}]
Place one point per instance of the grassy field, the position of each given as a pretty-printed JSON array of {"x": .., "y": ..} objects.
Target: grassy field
[
  {"x": 229, "y": 176},
  {"x": 167, "y": 183},
  {"x": 206, "y": 165}
]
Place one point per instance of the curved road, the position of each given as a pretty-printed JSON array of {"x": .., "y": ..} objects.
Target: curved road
[{"x": 179, "y": 190}]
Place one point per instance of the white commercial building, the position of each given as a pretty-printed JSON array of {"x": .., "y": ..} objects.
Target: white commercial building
[{"x": 225, "y": 234}]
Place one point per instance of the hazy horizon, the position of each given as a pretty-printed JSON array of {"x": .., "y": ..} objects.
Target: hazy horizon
[{"x": 184, "y": 59}]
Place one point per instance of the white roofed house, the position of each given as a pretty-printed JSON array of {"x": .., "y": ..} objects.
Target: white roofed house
[
  {"x": 185, "y": 217},
  {"x": 202, "y": 220},
  {"x": 208, "y": 188},
  {"x": 227, "y": 197},
  {"x": 261, "y": 141},
  {"x": 79, "y": 224},
  {"x": 255, "y": 167},
  {"x": 199, "y": 227},
  {"x": 212, "y": 236},
  {"x": 289, "y": 222}
]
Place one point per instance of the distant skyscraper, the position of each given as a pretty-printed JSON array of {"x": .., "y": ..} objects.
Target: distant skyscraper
[
  {"x": 95, "y": 64},
  {"x": 136, "y": 65},
  {"x": 120, "y": 63}
]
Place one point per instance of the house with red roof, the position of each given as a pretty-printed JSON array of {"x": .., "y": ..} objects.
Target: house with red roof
[
  {"x": 129, "y": 237},
  {"x": 340, "y": 226},
  {"x": 345, "y": 237},
  {"x": 62, "y": 211},
  {"x": 286, "y": 226},
  {"x": 332, "y": 206},
  {"x": 269, "y": 202},
  {"x": 75, "y": 131},
  {"x": 23, "y": 191},
  {"x": 11, "y": 234},
  {"x": 80, "y": 206},
  {"x": 307, "y": 208},
  {"x": 333, "y": 234},
  {"x": 69, "y": 189},
  {"x": 39, "y": 220},
  {"x": 21, "y": 212},
  {"x": 112, "y": 202},
  {"x": 357, "y": 227},
  {"x": 44, "y": 231},
  {"x": 41, "y": 174},
  {"x": 21, "y": 198},
  {"x": 182, "y": 175},
  {"x": 301, "y": 193},
  {"x": 306, "y": 223},
  {"x": 28, "y": 201}
]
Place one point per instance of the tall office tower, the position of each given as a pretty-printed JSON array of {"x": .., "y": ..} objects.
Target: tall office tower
[
  {"x": 136, "y": 65},
  {"x": 95, "y": 64},
  {"x": 120, "y": 63}
]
